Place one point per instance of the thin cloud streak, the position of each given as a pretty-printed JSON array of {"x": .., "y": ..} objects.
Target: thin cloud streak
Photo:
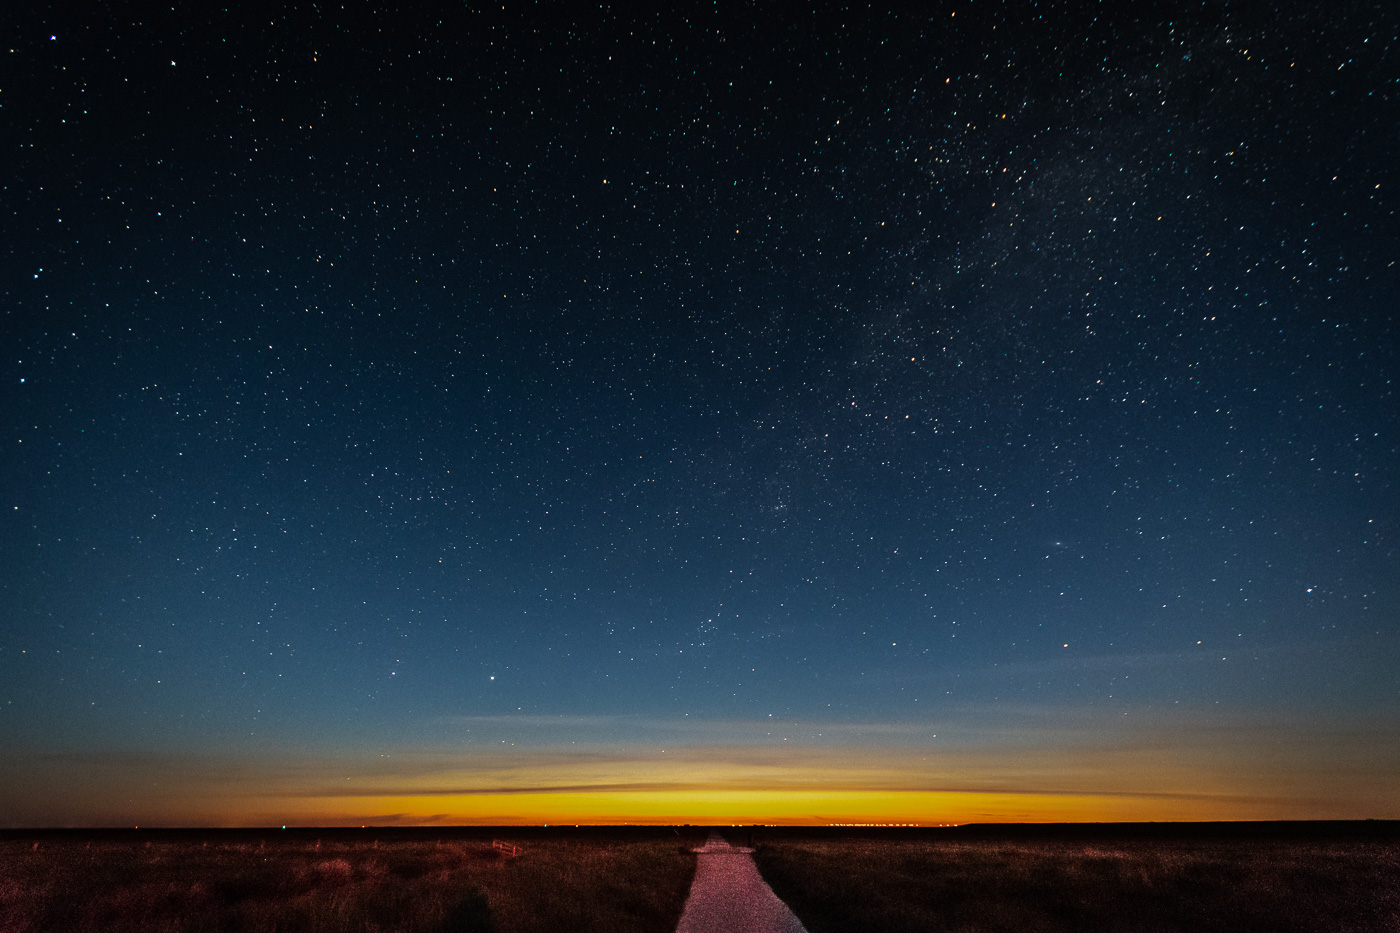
[
  {"x": 777, "y": 787},
  {"x": 1173, "y": 765},
  {"x": 729, "y": 728}
]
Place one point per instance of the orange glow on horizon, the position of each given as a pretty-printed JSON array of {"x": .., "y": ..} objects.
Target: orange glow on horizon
[
  {"x": 1141, "y": 774},
  {"x": 810, "y": 807},
  {"x": 738, "y": 806}
]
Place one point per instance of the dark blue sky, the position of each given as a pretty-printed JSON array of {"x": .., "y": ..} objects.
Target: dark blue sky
[{"x": 410, "y": 384}]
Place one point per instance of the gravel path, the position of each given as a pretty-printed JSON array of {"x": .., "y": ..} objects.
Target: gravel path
[{"x": 728, "y": 895}]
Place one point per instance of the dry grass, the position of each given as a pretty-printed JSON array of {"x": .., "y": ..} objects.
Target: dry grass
[
  {"x": 854, "y": 883},
  {"x": 635, "y": 881},
  {"x": 337, "y": 882}
]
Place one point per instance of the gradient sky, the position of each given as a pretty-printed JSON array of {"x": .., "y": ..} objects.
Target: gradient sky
[{"x": 520, "y": 415}]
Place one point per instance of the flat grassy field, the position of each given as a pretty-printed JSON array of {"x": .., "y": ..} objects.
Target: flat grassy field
[
  {"x": 1028, "y": 880},
  {"x": 337, "y": 881},
  {"x": 1200, "y": 879}
]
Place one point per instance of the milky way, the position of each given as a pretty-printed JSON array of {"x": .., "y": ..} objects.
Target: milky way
[{"x": 435, "y": 418}]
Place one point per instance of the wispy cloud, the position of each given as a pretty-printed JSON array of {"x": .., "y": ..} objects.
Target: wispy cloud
[
  {"x": 778, "y": 787},
  {"x": 727, "y": 727},
  {"x": 1175, "y": 764}
]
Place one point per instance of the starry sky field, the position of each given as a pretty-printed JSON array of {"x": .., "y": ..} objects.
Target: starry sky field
[{"x": 714, "y": 414}]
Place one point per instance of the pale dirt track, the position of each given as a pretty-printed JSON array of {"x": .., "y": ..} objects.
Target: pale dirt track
[{"x": 728, "y": 895}]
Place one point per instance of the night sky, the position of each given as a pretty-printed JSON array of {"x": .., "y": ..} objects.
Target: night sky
[{"x": 561, "y": 414}]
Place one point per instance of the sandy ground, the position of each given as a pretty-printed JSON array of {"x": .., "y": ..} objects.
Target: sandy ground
[{"x": 730, "y": 896}]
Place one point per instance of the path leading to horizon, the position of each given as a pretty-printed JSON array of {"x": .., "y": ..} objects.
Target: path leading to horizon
[{"x": 728, "y": 895}]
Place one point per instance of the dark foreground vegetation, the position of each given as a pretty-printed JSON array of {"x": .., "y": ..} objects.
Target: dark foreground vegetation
[
  {"x": 338, "y": 881},
  {"x": 1281, "y": 878},
  {"x": 1270, "y": 878}
]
